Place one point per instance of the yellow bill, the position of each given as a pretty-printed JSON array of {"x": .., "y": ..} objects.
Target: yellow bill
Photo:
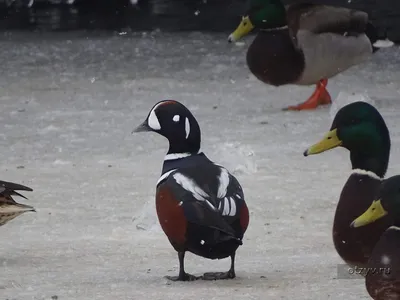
[
  {"x": 244, "y": 28},
  {"x": 329, "y": 141},
  {"x": 373, "y": 213}
]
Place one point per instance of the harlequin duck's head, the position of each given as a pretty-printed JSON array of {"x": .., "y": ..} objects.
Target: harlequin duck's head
[{"x": 174, "y": 121}]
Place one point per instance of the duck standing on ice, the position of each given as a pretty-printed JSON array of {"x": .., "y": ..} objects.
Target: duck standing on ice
[
  {"x": 200, "y": 205},
  {"x": 306, "y": 44}
]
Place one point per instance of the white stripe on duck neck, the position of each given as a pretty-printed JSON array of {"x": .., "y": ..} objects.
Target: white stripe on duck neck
[
  {"x": 274, "y": 29},
  {"x": 394, "y": 228},
  {"x": 173, "y": 156},
  {"x": 365, "y": 172}
]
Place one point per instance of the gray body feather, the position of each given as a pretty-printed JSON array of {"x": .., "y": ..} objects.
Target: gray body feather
[{"x": 328, "y": 54}]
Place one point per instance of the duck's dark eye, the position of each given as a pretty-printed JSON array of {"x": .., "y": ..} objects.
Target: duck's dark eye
[{"x": 352, "y": 121}]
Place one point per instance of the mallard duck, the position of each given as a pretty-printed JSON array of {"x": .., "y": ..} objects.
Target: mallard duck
[
  {"x": 200, "y": 205},
  {"x": 383, "y": 271},
  {"x": 359, "y": 128},
  {"x": 9, "y": 209},
  {"x": 306, "y": 44}
]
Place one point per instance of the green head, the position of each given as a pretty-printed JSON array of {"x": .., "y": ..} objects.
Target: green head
[
  {"x": 360, "y": 128},
  {"x": 262, "y": 14},
  {"x": 387, "y": 203}
]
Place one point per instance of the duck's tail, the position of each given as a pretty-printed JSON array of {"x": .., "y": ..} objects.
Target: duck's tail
[
  {"x": 223, "y": 237},
  {"x": 9, "y": 208},
  {"x": 376, "y": 43},
  {"x": 220, "y": 245},
  {"x": 9, "y": 211},
  {"x": 15, "y": 208}
]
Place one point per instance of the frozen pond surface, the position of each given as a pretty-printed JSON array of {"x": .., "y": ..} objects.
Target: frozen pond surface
[{"x": 68, "y": 105}]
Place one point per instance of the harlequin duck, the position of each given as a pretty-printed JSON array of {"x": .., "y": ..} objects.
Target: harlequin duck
[
  {"x": 200, "y": 205},
  {"x": 9, "y": 209}
]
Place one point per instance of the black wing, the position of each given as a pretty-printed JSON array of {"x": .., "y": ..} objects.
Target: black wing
[
  {"x": 215, "y": 196},
  {"x": 198, "y": 205}
]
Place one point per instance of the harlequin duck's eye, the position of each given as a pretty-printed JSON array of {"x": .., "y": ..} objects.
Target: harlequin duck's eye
[{"x": 153, "y": 120}]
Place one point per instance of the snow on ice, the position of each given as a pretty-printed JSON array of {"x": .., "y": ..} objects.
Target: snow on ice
[{"x": 69, "y": 105}]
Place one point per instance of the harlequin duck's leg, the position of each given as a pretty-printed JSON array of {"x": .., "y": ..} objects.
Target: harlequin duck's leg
[
  {"x": 222, "y": 275},
  {"x": 319, "y": 97},
  {"x": 183, "y": 276}
]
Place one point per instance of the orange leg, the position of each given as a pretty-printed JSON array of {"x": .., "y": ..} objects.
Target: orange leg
[{"x": 319, "y": 97}]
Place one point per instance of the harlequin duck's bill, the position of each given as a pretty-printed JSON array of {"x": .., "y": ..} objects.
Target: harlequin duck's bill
[
  {"x": 329, "y": 141},
  {"x": 372, "y": 214},
  {"x": 243, "y": 29},
  {"x": 144, "y": 127}
]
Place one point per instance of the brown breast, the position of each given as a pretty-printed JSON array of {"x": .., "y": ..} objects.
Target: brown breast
[
  {"x": 355, "y": 245},
  {"x": 383, "y": 272},
  {"x": 171, "y": 217},
  {"x": 273, "y": 59}
]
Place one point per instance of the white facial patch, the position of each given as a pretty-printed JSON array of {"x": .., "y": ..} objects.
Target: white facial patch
[
  {"x": 187, "y": 127},
  {"x": 176, "y": 118},
  {"x": 223, "y": 183},
  {"x": 152, "y": 121}
]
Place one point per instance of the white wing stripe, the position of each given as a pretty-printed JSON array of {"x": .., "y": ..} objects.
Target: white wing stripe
[
  {"x": 210, "y": 205},
  {"x": 191, "y": 186},
  {"x": 233, "y": 207},
  {"x": 165, "y": 175},
  {"x": 226, "y": 207},
  {"x": 223, "y": 183}
]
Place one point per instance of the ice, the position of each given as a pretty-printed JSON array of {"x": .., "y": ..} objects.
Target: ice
[
  {"x": 344, "y": 98},
  {"x": 96, "y": 235},
  {"x": 383, "y": 43},
  {"x": 243, "y": 155},
  {"x": 146, "y": 219}
]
